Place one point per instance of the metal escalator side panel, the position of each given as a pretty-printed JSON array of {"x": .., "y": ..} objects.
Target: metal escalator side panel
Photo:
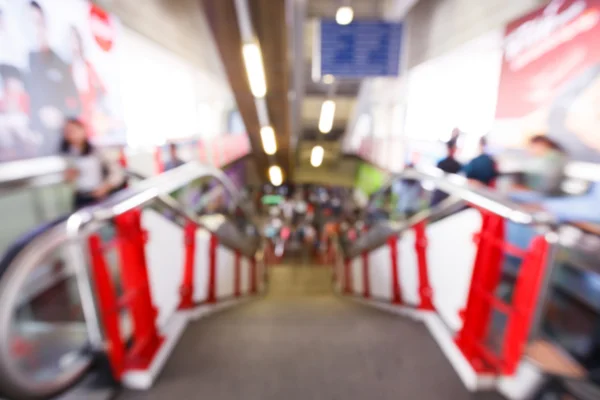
[{"x": 24, "y": 336}]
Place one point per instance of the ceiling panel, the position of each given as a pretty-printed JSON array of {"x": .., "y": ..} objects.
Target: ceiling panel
[{"x": 270, "y": 24}]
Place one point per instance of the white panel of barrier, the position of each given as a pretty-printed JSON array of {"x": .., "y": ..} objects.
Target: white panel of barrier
[
  {"x": 225, "y": 271},
  {"x": 165, "y": 260},
  {"x": 408, "y": 269},
  {"x": 201, "y": 264},
  {"x": 451, "y": 254},
  {"x": 356, "y": 268},
  {"x": 380, "y": 273},
  {"x": 245, "y": 275}
]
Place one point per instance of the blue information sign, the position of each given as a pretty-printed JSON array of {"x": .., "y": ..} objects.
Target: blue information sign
[{"x": 360, "y": 49}]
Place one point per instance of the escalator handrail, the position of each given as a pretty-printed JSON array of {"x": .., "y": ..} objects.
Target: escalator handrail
[
  {"x": 69, "y": 232},
  {"x": 482, "y": 197},
  {"x": 32, "y": 172}
]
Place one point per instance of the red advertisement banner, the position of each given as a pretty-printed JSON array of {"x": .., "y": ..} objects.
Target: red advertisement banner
[{"x": 550, "y": 79}]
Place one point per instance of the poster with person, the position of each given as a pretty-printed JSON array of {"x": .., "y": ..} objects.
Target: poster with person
[
  {"x": 57, "y": 61},
  {"x": 550, "y": 79}
]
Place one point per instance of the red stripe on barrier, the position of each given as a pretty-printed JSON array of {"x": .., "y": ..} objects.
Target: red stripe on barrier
[
  {"x": 212, "y": 270},
  {"x": 187, "y": 286},
  {"x": 134, "y": 276},
  {"x": 366, "y": 281},
  {"x": 525, "y": 298},
  {"x": 108, "y": 307},
  {"x": 425, "y": 291},
  {"x": 237, "y": 275},
  {"x": 396, "y": 291}
]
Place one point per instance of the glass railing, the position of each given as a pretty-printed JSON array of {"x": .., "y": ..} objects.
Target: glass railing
[{"x": 32, "y": 192}]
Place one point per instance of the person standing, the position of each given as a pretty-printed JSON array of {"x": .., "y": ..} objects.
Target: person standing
[
  {"x": 94, "y": 175},
  {"x": 449, "y": 165},
  {"x": 174, "y": 160},
  {"x": 482, "y": 169}
]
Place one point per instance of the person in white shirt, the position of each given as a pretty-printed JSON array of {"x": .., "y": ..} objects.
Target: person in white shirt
[{"x": 94, "y": 175}]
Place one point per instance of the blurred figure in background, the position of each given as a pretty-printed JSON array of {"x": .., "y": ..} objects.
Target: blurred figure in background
[
  {"x": 174, "y": 160},
  {"x": 450, "y": 166},
  {"x": 95, "y": 176},
  {"x": 545, "y": 171},
  {"x": 409, "y": 192},
  {"x": 482, "y": 169}
]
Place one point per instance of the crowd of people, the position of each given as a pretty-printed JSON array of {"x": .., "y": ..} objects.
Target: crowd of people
[
  {"x": 306, "y": 220},
  {"x": 538, "y": 185}
]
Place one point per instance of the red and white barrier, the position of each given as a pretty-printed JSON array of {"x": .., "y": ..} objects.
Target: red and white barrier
[
  {"x": 169, "y": 276},
  {"x": 447, "y": 274}
]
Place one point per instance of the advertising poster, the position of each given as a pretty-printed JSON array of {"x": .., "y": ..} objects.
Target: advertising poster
[
  {"x": 57, "y": 61},
  {"x": 550, "y": 80}
]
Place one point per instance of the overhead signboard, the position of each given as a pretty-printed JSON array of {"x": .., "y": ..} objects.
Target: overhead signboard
[{"x": 358, "y": 50}]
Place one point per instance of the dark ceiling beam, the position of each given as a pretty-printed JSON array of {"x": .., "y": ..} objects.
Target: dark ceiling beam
[
  {"x": 341, "y": 90},
  {"x": 270, "y": 25},
  {"x": 314, "y": 134},
  {"x": 221, "y": 16}
]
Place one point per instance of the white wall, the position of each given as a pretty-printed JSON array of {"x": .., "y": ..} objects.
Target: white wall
[
  {"x": 434, "y": 27},
  {"x": 164, "y": 97},
  {"x": 458, "y": 89}
]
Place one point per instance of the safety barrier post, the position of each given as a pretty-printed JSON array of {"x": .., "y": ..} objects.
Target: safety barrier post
[
  {"x": 212, "y": 270},
  {"x": 237, "y": 275},
  {"x": 253, "y": 276},
  {"x": 136, "y": 287},
  {"x": 487, "y": 271},
  {"x": 347, "y": 277},
  {"x": 108, "y": 305},
  {"x": 525, "y": 298},
  {"x": 366, "y": 281},
  {"x": 425, "y": 291},
  {"x": 187, "y": 287},
  {"x": 396, "y": 291}
]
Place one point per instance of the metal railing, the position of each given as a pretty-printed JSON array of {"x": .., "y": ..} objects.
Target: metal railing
[
  {"x": 32, "y": 172},
  {"x": 461, "y": 193},
  {"x": 70, "y": 236}
]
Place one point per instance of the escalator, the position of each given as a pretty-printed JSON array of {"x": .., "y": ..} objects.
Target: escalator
[
  {"x": 51, "y": 337},
  {"x": 303, "y": 342},
  {"x": 566, "y": 314}
]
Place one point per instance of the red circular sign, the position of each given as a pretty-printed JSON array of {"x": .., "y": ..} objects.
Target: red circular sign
[{"x": 102, "y": 28}]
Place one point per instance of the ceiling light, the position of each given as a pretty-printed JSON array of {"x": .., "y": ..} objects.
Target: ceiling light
[
  {"x": 328, "y": 79},
  {"x": 267, "y": 135},
  {"x": 275, "y": 175},
  {"x": 344, "y": 15},
  {"x": 316, "y": 156},
  {"x": 327, "y": 115},
  {"x": 255, "y": 69}
]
